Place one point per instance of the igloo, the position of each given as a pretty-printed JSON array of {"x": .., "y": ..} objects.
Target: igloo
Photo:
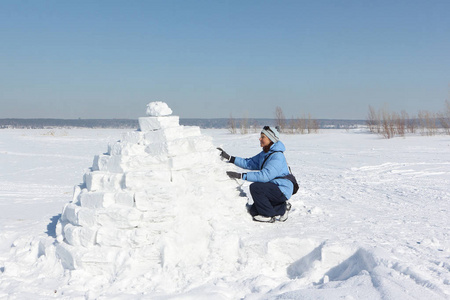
[{"x": 157, "y": 201}]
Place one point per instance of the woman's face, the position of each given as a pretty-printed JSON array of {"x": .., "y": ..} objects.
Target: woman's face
[{"x": 264, "y": 140}]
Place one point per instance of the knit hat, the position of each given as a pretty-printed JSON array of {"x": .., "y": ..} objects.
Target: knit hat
[{"x": 271, "y": 133}]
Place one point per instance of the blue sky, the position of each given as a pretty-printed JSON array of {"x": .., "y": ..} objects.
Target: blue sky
[{"x": 208, "y": 59}]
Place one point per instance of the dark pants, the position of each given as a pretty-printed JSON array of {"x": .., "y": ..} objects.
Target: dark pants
[{"x": 268, "y": 200}]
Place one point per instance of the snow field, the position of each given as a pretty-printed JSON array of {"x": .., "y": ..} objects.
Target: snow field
[{"x": 370, "y": 221}]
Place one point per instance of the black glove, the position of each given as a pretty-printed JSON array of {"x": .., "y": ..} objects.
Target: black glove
[
  {"x": 234, "y": 175},
  {"x": 224, "y": 154}
]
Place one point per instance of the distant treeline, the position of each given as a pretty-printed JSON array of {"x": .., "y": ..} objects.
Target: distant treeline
[
  {"x": 67, "y": 123},
  {"x": 390, "y": 124},
  {"x": 129, "y": 123}
]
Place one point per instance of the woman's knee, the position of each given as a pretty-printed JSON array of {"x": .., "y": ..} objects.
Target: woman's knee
[{"x": 256, "y": 187}]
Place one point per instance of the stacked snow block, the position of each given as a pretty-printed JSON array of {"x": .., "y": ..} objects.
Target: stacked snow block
[{"x": 125, "y": 199}]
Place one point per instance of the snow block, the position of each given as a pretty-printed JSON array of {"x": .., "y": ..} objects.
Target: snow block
[
  {"x": 95, "y": 166},
  {"x": 179, "y": 146},
  {"x": 64, "y": 253},
  {"x": 101, "y": 163},
  {"x": 141, "y": 180},
  {"x": 167, "y": 148},
  {"x": 111, "y": 237},
  {"x": 155, "y": 123},
  {"x": 133, "y": 137},
  {"x": 103, "y": 181},
  {"x": 191, "y": 160},
  {"x": 202, "y": 144},
  {"x": 134, "y": 238},
  {"x": 86, "y": 217},
  {"x": 108, "y": 163},
  {"x": 87, "y": 236},
  {"x": 115, "y": 238},
  {"x": 71, "y": 233},
  {"x": 170, "y": 134},
  {"x": 153, "y": 201},
  {"x": 59, "y": 231},
  {"x": 70, "y": 213},
  {"x": 79, "y": 236},
  {"x": 125, "y": 163},
  {"x": 189, "y": 131},
  {"x": 97, "y": 199},
  {"x": 126, "y": 149},
  {"x": 124, "y": 198},
  {"x": 119, "y": 217},
  {"x": 76, "y": 193},
  {"x": 144, "y": 163}
]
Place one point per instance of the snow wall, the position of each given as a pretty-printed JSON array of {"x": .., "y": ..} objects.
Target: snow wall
[{"x": 152, "y": 204}]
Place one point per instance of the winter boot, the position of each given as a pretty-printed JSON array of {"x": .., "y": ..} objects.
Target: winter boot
[
  {"x": 251, "y": 210},
  {"x": 284, "y": 217},
  {"x": 260, "y": 218}
]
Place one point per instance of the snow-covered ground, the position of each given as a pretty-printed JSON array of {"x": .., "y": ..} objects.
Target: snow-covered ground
[{"x": 370, "y": 221}]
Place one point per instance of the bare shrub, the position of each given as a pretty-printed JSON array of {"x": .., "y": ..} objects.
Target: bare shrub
[
  {"x": 444, "y": 118},
  {"x": 432, "y": 124},
  {"x": 421, "y": 118},
  {"x": 400, "y": 122},
  {"x": 292, "y": 126},
  {"x": 301, "y": 125},
  {"x": 313, "y": 125},
  {"x": 280, "y": 119},
  {"x": 244, "y": 125},
  {"x": 411, "y": 124},
  {"x": 232, "y": 125},
  {"x": 387, "y": 124},
  {"x": 373, "y": 120},
  {"x": 309, "y": 124},
  {"x": 427, "y": 121}
]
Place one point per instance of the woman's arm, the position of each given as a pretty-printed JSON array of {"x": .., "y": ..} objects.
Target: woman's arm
[
  {"x": 248, "y": 163},
  {"x": 273, "y": 168}
]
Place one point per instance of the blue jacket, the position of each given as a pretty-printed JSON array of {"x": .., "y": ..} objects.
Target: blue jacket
[{"x": 275, "y": 166}]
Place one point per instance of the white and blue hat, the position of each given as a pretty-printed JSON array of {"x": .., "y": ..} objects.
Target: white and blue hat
[{"x": 271, "y": 133}]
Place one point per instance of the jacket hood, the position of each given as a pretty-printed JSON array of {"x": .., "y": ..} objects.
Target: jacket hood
[{"x": 278, "y": 146}]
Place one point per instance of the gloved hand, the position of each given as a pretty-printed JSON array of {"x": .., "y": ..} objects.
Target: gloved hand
[
  {"x": 234, "y": 175},
  {"x": 224, "y": 154}
]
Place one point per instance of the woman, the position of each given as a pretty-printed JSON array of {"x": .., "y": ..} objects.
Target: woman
[{"x": 269, "y": 190}]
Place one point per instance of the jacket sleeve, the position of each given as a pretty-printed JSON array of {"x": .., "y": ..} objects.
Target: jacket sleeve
[
  {"x": 272, "y": 168},
  {"x": 248, "y": 163}
]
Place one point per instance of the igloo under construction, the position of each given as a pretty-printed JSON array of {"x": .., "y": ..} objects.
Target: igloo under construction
[{"x": 154, "y": 203}]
